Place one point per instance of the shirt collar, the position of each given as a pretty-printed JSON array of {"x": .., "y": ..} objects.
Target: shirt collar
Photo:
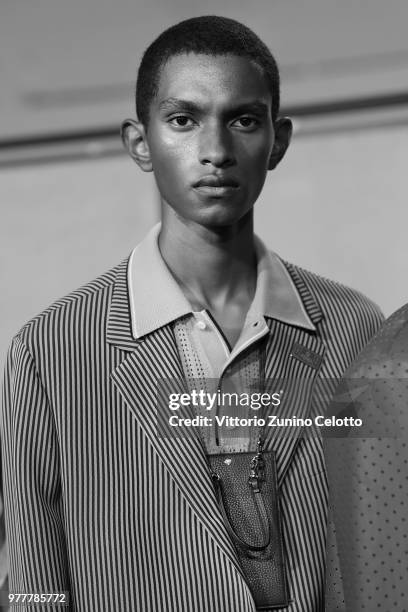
[
  {"x": 157, "y": 300},
  {"x": 276, "y": 295}
]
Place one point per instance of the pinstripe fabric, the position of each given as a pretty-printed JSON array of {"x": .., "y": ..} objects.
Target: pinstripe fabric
[
  {"x": 345, "y": 321},
  {"x": 98, "y": 505}
]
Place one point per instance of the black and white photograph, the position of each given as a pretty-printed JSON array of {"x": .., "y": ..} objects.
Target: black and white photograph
[{"x": 204, "y": 314}]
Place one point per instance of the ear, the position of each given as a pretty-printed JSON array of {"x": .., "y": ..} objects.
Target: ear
[
  {"x": 283, "y": 134},
  {"x": 133, "y": 135}
]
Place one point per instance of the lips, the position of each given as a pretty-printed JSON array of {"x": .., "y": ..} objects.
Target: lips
[
  {"x": 212, "y": 180},
  {"x": 213, "y": 186}
]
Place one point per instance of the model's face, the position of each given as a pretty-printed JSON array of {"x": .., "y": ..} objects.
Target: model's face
[{"x": 210, "y": 137}]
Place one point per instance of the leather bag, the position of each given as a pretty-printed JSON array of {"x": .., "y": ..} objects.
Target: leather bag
[{"x": 247, "y": 493}]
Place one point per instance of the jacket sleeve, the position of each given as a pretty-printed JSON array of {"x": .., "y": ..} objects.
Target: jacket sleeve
[{"x": 32, "y": 484}]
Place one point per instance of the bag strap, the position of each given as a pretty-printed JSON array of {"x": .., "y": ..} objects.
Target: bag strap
[{"x": 262, "y": 513}]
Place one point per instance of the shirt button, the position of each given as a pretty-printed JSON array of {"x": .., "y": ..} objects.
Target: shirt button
[{"x": 201, "y": 325}]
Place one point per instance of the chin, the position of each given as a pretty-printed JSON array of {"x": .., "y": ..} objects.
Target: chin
[
  {"x": 221, "y": 218},
  {"x": 212, "y": 214}
]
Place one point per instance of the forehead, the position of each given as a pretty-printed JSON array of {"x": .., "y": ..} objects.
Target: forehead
[{"x": 220, "y": 78}]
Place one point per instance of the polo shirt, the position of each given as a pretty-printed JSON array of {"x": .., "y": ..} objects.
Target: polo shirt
[
  {"x": 209, "y": 363},
  {"x": 157, "y": 300}
]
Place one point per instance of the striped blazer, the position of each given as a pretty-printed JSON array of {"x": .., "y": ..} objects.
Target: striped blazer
[{"x": 100, "y": 506}]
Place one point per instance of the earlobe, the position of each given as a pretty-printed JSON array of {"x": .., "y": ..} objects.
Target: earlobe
[
  {"x": 283, "y": 134},
  {"x": 133, "y": 135}
]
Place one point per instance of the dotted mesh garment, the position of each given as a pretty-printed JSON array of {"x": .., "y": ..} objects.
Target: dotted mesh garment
[
  {"x": 239, "y": 377},
  {"x": 368, "y": 479}
]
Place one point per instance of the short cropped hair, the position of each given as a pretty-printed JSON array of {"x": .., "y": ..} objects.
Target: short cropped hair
[{"x": 209, "y": 35}]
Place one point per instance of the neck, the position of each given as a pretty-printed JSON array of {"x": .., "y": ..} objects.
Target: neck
[{"x": 211, "y": 265}]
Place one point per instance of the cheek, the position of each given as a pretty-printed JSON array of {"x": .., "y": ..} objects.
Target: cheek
[
  {"x": 255, "y": 157},
  {"x": 257, "y": 168},
  {"x": 169, "y": 175},
  {"x": 169, "y": 158}
]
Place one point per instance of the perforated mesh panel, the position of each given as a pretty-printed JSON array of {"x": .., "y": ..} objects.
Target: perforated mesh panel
[{"x": 368, "y": 479}]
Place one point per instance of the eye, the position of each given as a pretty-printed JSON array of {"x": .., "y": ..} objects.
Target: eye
[
  {"x": 246, "y": 122},
  {"x": 181, "y": 121}
]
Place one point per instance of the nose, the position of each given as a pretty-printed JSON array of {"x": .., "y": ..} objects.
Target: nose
[{"x": 216, "y": 147}]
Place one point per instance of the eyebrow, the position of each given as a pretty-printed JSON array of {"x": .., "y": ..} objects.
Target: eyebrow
[
  {"x": 176, "y": 103},
  {"x": 254, "y": 106}
]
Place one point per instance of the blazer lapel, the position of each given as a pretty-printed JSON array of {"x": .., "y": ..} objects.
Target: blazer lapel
[
  {"x": 156, "y": 359},
  {"x": 150, "y": 360},
  {"x": 294, "y": 356}
]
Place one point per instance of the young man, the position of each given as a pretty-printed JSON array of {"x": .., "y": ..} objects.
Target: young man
[{"x": 97, "y": 503}]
